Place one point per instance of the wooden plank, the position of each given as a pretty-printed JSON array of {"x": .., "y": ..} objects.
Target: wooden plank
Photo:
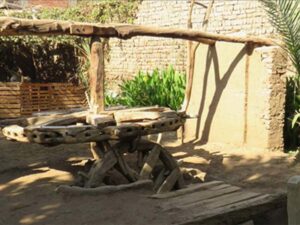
[
  {"x": 16, "y": 93},
  {"x": 9, "y": 88},
  {"x": 97, "y": 75},
  {"x": 238, "y": 212},
  {"x": 2, "y": 111},
  {"x": 150, "y": 163},
  {"x": 10, "y": 97},
  {"x": 9, "y": 115},
  {"x": 9, "y": 101},
  {"x": 10, "y": 84},
  {"x": 10, "y": 106},
  {"x": 220, "y": 201},
  {"x": 131, "y": 116},
  {"x": 181, "y": 201},
  {"x": 190, "y": 189}
]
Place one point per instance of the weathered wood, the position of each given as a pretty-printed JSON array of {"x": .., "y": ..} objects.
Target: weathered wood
[
  {"x": 97, "y": 150},
  {"x": 100, "y": 168},
  {"x": 220, "y": 201},
  {"x": 13, "y": 26},
  {"x": 187, "y": 190},
  {"x": 107, "y": 189},
  {"x": 96, "y": 75},
  {"x": 134, "y": 116},
  {"x": 121, "y": 165},
  {"x": 185, "y": 200},
  {"x": 101, "y": 120},
  {"x": 169, "y": 182},
  {"x": 238, "y": 212},
  {"x": 150, "y": 163},
  {"x": 88, "y": 133},
  {"x": 160, "y": 179},
  {"x": 167, "y": 159}
]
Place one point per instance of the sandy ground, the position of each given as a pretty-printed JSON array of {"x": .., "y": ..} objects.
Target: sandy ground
[{"x": 29, "y": 174}]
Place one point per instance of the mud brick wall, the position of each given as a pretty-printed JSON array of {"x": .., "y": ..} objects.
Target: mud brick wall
[
  {"x": 250, "y": 110},
  {"x": 147, "y": 53}
]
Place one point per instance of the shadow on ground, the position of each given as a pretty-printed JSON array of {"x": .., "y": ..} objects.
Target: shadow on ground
[{"x": 30, "y": 173}]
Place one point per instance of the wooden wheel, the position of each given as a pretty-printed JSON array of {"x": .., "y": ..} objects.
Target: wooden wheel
[{"x": 156, "y": 163}]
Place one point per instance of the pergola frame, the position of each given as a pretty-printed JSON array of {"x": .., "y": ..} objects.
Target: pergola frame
[
  {"x": 10, "y": 26},
  {"x": 128, "y": 136}
]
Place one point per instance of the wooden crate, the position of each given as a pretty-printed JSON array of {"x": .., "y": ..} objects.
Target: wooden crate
[{"x": 22, "y": 99}]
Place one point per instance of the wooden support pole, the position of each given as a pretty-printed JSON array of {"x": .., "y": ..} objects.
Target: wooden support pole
[
  {"x": 293, "y": 200},
  {"x": 97, "y": 75}
]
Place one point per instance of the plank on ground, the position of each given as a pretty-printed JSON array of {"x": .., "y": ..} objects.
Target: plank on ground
[
  {"x": 199, "y": 196},
  {"x": 238, "y": 212},
  {"x": 189, "y": 189},
  {"x": 220, "y": 201}
]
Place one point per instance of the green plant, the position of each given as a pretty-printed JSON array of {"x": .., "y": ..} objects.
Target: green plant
[
  {"x": 285, "y": 17},
  {"x": 84, "y": 51},
  {"x": 161, "y": 87},
  {"x": 55, "y": 58}
]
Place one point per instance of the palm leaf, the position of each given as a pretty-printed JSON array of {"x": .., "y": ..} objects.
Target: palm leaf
[{"x": 284, "y": 15}]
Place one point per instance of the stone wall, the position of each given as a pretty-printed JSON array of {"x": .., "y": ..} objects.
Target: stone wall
[{"x": 147, "y": 53}]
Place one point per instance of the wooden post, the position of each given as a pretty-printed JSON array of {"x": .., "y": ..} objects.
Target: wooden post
[
  {"x": 97, "y": 75},
  {"x": 293, "y": 200},
  {"x": 96, "y": 78}
]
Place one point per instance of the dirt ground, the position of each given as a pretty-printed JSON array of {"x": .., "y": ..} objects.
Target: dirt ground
[{"x": 29, "y": 174}]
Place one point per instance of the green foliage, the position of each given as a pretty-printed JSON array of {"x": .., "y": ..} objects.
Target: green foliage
[
  {"x": 49, "y": 57},
  {"x": 285, "y": 17},
  {"x": 84, "y": 51},
  {"x": 164, "y": 88}
]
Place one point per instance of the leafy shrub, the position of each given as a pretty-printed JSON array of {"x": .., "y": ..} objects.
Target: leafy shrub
[{"x": 163, "y": 88}]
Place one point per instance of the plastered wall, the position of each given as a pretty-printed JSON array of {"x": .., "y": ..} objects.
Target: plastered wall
[{"x": 238, "y": 96}]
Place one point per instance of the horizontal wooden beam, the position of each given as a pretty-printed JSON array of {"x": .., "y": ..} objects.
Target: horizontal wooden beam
[{"x": 10, "y": 26}]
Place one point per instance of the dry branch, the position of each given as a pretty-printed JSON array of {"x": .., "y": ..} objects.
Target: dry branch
[
  {"x": 10, "y": 26},
  {"x": 107, "y": 189}
]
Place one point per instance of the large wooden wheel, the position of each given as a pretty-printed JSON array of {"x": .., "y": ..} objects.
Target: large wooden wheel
[
  {"x": 153, "y": 162},
  {"x": 113, "y": 135}
]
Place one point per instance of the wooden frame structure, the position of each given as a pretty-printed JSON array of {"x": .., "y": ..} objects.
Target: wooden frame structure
[
  {"x": 10, "y": 26},
  {"x": 126, "y": 127}
]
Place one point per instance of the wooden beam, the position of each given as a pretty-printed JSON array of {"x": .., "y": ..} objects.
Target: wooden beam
[
  {"x": 97, "y": 75},
  {"x": 10, "y": 26},
  {"x": 191, "y": 55}
]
